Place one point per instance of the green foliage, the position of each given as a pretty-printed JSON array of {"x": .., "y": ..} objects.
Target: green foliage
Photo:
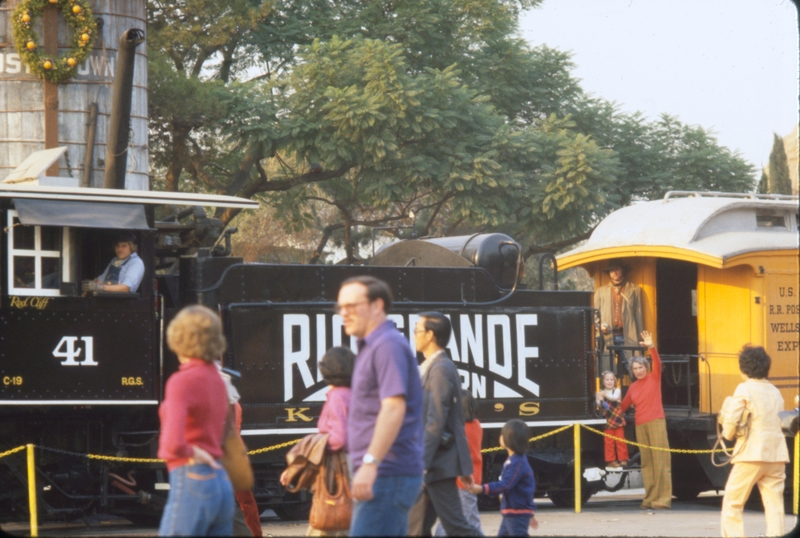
[
  {"x": 350, "y": 114},
  {"x": 763, "y": 183},
  {"x": 778, "y": 169}
]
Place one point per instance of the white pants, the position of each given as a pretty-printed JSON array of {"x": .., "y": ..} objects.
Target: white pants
[{"x": 770, "y": 477}]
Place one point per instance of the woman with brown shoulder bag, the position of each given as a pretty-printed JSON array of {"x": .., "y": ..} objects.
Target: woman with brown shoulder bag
[{"x": 332, "y": 506}]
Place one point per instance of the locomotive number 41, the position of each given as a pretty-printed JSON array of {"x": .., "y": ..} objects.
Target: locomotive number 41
[{"x": 67, "y": 350}]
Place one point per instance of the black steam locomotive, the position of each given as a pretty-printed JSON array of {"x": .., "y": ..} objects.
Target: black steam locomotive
[{"x": 85, "y": 374}]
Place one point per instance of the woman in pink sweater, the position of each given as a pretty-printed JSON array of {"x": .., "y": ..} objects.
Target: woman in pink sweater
[
  {"x": 336, "y": 367},
  {"x": 193, "y": 414}
]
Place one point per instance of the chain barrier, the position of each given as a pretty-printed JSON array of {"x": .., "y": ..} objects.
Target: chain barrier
[
  {"x": 275, "y": 447},
  {"x": 12, "y": 451},
  {"x": 531, "y": 440},
  {"x": 641, "y": 445},
  {"x": 139, "y": 460},
  {"x": 295, "y": 441}
]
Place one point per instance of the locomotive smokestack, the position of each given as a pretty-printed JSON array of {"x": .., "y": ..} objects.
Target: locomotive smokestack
[{"x": 118, "y": 129}]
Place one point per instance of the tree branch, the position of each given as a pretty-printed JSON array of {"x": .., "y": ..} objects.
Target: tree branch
[
  {"x": 453, "y": 226},
  {"x": 555, "y": 247},
  {"x": 308, "y": 177},
  {"x": 253, "y": 155},
  {"x": 436, "y": 210},
  {"x": 326, "y": 235}
]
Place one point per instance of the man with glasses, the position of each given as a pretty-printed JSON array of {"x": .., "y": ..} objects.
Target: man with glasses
[
  {"x": 384, "y": 427},
  {"x": 447, "y": 453}
]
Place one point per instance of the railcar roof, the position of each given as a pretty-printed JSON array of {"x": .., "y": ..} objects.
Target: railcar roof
[
  {"x": 40, "y": 192},
  {"x": 713, "y": 226}
]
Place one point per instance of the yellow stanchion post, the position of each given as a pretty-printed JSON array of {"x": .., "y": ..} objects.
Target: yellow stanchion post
[
  {"x": 796, "y": 469},
  {"x": 32, "y": 492},
  {"x": 577, "y": 468}
]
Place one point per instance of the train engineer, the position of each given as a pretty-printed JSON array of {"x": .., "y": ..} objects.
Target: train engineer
[{"x": 124, "y": 273}]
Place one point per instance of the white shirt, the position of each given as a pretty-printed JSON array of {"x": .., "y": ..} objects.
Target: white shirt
[{"x": 427, "y": 363}]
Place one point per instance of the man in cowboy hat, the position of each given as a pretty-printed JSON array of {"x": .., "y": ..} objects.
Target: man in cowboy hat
[{"x": 620, "y": 306}]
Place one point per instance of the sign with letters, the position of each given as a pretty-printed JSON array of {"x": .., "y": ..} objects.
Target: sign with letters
[
  {"x": 60, "y": 356},
  {"x": 517, "y": 362}
]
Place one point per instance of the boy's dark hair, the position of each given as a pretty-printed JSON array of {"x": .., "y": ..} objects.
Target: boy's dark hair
[
  {"x": 336, "y": 366},
  {"x": 376, "y": 289},
  {"x": 469, "y": 406},
  {"x": 515, "y": 435},
  {"x": 440, "y": 325},
  {"x": 754, "y": 362}
]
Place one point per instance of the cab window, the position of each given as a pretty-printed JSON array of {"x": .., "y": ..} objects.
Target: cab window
[{"x": 38, "y": 258}]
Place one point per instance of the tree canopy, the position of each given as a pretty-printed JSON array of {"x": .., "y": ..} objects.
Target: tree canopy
[{"x": 356, "y": 113}]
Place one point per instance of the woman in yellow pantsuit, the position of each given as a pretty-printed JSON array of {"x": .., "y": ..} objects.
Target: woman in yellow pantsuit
[{"x": 761, "y": 456}]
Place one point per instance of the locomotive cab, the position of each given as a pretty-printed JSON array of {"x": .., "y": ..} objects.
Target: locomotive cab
[
  {"x": 50, "y": 247},
  {"x": 81, "y": 372}
]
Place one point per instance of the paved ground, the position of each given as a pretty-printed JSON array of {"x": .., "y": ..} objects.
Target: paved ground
[{"x": 606, "y": 514}]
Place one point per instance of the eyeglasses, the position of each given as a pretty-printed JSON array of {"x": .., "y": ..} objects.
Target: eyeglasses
[
  {"x": 349, "y": 307},
  {"x": 416, "y": 331}
]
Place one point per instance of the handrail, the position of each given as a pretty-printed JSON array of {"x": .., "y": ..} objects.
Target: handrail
[
  {"x": 745, "y": 195},
  {"x": 682, "y": 359},
  {"x": 708, "y": 381},
  {"x": 552, "y": 258}
]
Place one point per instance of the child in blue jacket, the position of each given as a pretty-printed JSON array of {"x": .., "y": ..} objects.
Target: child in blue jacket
[{"x": 516, "y": 485}]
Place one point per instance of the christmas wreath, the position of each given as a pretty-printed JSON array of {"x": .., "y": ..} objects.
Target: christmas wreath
[{"x": 54, "y": 68}]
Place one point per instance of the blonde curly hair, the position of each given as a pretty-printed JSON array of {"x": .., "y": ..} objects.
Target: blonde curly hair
[{"x": 196, "y": 332}]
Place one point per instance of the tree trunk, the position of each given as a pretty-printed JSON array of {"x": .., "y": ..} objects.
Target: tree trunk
[
  {"x": 172, "y": 179},
  {"x": 348, "y": 244},
  {"x": 326, "y": 235}
]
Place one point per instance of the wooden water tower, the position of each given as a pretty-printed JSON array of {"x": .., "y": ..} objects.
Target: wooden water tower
[{"x": 76, "y": 113}]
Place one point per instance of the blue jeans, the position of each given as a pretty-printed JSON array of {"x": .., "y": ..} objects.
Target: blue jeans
[
  {"x": 200, "y": 503},
  {"x": 619, "y": 340},
  {"x": 514, "y": 525},
  {"x": 386, "y": 514}
]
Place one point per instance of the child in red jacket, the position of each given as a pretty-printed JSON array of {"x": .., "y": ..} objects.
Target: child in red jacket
[{"x": 608, "y": 401}]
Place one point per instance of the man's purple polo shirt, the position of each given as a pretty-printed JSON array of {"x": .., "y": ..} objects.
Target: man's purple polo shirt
[{"x": 386, "y": 367}]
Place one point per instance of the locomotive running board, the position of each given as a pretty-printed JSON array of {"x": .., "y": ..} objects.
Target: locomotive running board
[{"x": 533, "y": 424}]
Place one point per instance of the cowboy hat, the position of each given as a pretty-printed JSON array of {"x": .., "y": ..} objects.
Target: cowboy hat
[{"x": 615, "y": 263}]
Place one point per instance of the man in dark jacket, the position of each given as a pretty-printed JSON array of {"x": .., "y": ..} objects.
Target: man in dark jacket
[{"x": 446, "y": 450}]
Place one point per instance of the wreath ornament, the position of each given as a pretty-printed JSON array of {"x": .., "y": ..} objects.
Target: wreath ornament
[{"x": 78, "y": 17}]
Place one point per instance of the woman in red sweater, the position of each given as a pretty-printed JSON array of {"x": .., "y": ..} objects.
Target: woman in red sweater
[
  {"x": 651, "y": 428},
  {"x": 193, "y": 414}
]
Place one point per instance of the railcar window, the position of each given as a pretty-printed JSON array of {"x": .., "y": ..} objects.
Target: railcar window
[
  {"x": 35, "y": 255},
  {"x": 770, "y": 221}
]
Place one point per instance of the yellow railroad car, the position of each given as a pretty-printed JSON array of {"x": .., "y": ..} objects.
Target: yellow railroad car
[{"x": 717, "y": 271}]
